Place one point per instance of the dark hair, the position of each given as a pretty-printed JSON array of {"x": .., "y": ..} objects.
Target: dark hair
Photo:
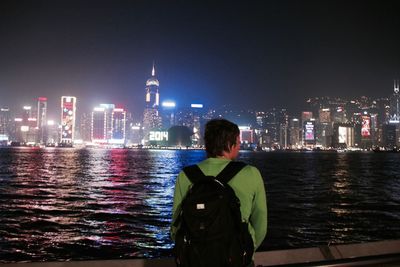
[{"x": 219, "y": 136}]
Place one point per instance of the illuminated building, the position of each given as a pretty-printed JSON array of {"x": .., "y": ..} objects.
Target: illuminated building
[
  {"x": 85, "y": 127},
  {"x": 68, "y": 113},
  {"x": 26, "y": 114},
  {"x": 366, "y": 131},
  {"x": 339, "y": 115},
  {"x": 133, "y": 134},
  {"x": 317, "y": 103},
  {"x": 29, "y": 126},
  {"x": 323, "y": 134},
  {"x": 108, "y": 125},
  {"x": 53, "y": 133},
  {"x": 41, "y": 120},
  {"x": 118, "y": 126},
  {"x": 324, "y": 115},
  {"x": 25, "y": 131},
  {"x": 309, "y": 133},
  {"x": 151, "y": 118},
  {"x": 383, "y": 109},
  {"x": 152, "y": 94},
  {"x": 184, "y": 117},
  {"x": 343, "y": 136},
  {"x": 351, "y": 108},
  {"x": 168, "y": 114},
  {"x": 294, "y": 133},
  {"x": 283, "y": 129},
  {"x": 263, "y": 139},
  {"x": 5, "y": 126},
  {"x": 136, "y": 134},
  {"x": 17, "y": 131},
  {"x": 99, "y": 129},
  {"x": 395, "y": 104},
  {"x": 306, "y": 116},
  {"x": 273, "y": 127},
  {"x": 246, "y": 137},
  {"x": 193, "y": 118},
  {"x": 374, "y": 129},
  {"x": 259, "y": 117},
  {"x": 389, "y": 136},
  {"x": 197, "y": 129}
]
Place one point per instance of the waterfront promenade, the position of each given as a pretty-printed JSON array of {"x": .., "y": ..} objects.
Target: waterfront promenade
[{"x": 381, "y": 253}]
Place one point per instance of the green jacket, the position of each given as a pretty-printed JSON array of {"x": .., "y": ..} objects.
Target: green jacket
[{"x": 249, "y": 188}]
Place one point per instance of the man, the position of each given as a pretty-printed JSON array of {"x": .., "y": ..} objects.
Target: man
[{"x": 222, "y": 142}]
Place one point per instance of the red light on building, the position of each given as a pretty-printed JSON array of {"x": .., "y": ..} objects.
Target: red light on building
[{"x": 366, "y": 127}]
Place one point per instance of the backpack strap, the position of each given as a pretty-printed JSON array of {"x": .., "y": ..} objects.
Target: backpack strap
[
  {"x": 233, "y": 168},
  {"x": 194, "y": 173}
]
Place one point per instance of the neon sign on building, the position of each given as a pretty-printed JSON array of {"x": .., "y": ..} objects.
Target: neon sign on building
[
  {"x": 366, "y": 127},
  {"x": 309, "y": 134},
  {"x": 68, "y": 113},
  {"x": 158, "y": 136}
]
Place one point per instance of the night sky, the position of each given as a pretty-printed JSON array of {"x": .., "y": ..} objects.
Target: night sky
[{"x": 251, "y": 54}]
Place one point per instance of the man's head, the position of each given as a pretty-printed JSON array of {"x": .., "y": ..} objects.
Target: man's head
[{"x": 221, "y": 138}]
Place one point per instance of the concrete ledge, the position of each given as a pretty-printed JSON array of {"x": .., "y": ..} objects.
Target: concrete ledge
[
  {"x": 339, "y": 253},
  {"x": 328, "y": 253}
]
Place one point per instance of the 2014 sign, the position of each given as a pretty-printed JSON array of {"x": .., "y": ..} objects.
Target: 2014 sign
[{"x": 158, "y": 136}]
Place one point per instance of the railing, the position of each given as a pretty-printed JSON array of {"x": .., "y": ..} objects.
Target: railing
[{"x": 372, "y": 253}]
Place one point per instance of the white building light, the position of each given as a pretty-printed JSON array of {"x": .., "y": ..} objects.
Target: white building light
[
  {"x": 196, "y": 105},
  {"x": 168, "y": 104},
  {"x": 24, "y": 128}
]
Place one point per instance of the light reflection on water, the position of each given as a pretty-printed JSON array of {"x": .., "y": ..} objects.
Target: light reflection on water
[
  {"x": 89, "y": 203},
  {"x": 61, "y": 204},
  {"x": 321, "y": 198}
]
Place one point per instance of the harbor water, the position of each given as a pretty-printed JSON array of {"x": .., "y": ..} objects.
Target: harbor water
[{"x": 79, "y": 204}]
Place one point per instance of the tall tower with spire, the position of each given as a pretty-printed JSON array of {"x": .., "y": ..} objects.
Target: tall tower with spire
[
  {"x": 152, "y": 94},
  {"x": 395, "y": 103},
  {"x": 151, "y": 117}
]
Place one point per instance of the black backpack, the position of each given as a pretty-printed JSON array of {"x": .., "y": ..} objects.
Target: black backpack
[{"x": 210, "y": 228}]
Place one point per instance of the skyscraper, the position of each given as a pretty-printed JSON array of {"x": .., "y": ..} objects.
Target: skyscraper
[
  {"x": 99, "y": 125},
  {"x": 108, "y": 125},
  {"x": 294, "y": 133},
  {"x": 151, "y": 118},
  {"x": 68, "y": 113},
  {"x": 41, "y": 119},
  {"x": 85, "y": 128},
  {"x": 152, "y": 94},
  {"x": 395, "y": 104},
  {"x": 5, "y": 126},
  {"x": 118, "y": 126}
]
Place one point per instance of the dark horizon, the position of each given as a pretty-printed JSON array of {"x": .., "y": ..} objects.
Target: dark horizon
[{"x": 256, "y": 54}]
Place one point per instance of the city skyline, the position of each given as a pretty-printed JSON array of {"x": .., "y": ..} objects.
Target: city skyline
[
  {"x": 327, "y": 122},
  {"x": 55, "y": 114},
  {"x": 277, "y": 53}
]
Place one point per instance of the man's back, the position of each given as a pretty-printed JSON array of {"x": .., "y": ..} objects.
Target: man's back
[
  {"x": 222, "y": 144},
  {"x": 249, "y": 188}
]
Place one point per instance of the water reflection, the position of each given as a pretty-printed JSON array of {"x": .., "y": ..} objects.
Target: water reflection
[{"x": 61, "y": 204}]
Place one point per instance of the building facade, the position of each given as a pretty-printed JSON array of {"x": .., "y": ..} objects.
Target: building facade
[
  {"x": 5, "y": 126},
  {"x": 41, "y": 119},
  {"x": 151, "y": 117},
  {"x": 68, "y": 115},
  {"x": 108, "y": 125}
]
